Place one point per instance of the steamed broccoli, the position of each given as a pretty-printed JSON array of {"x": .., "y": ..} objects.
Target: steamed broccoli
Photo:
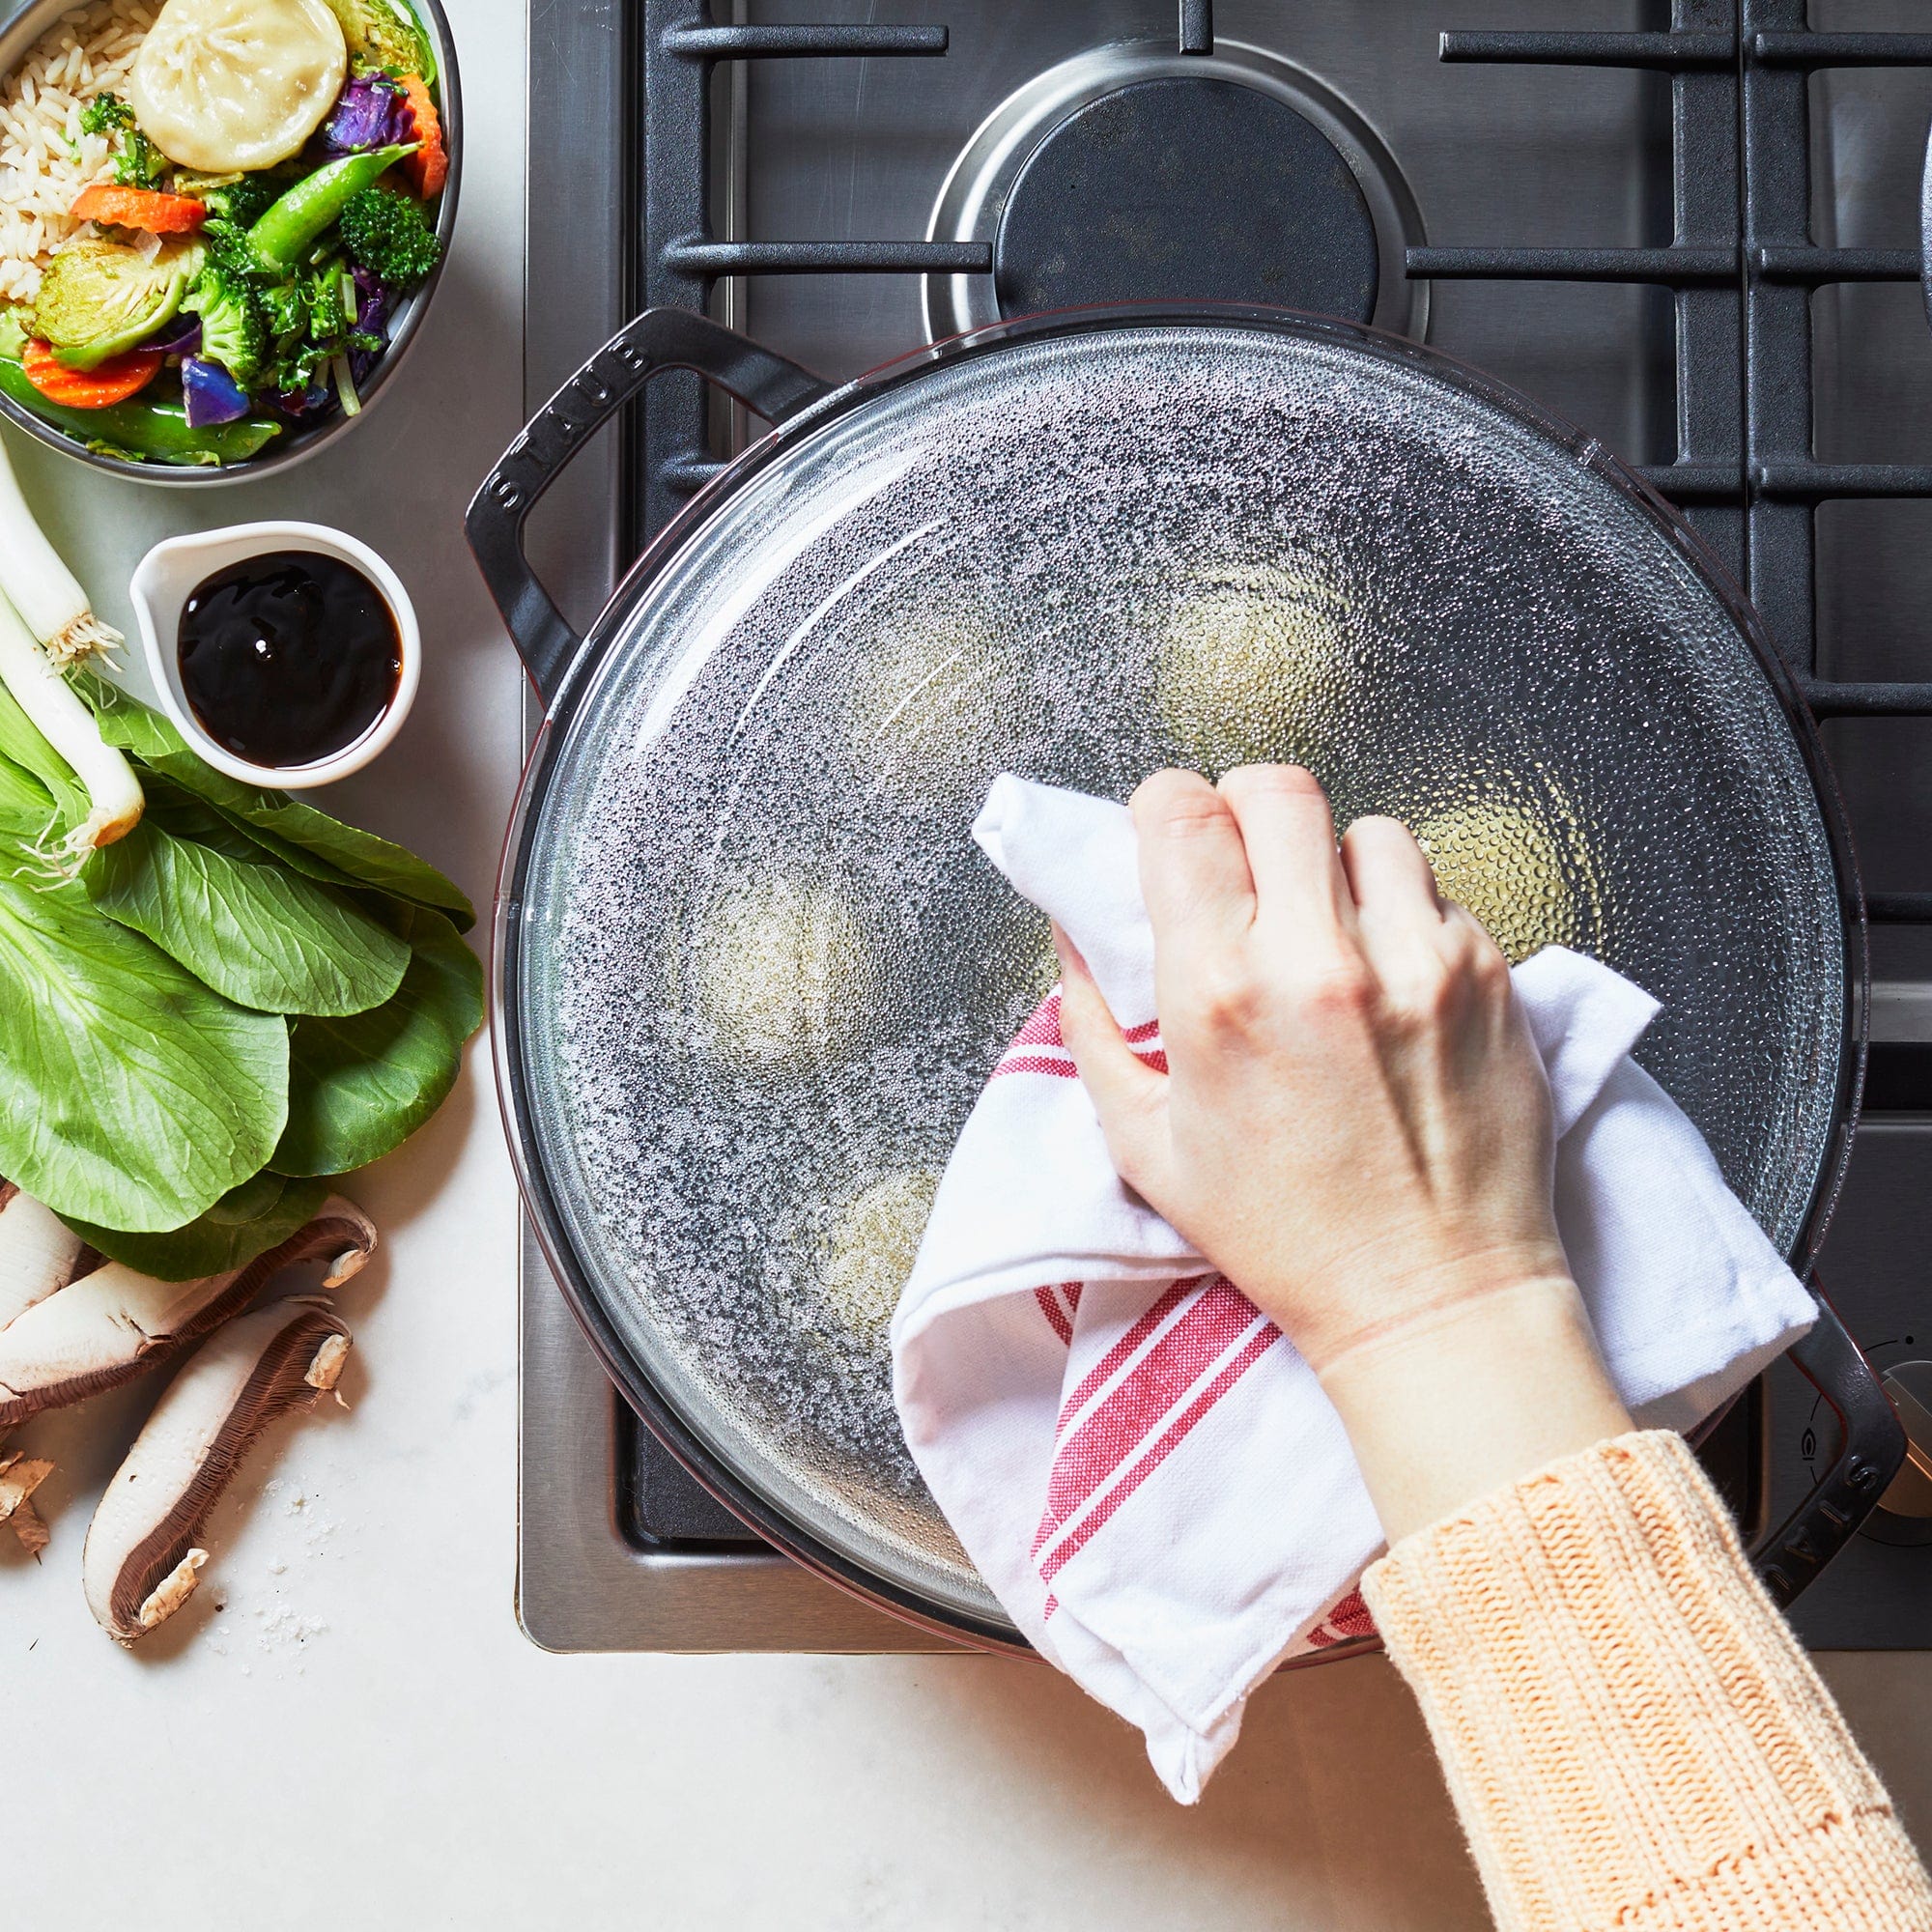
[
  {"x": 243, "y": 202},
  {"x": 234, "y": 327},
  {"x": 387, "y": 232},
  {"x": 311, "y": 318},
  {"x": 137, "y": 161}
]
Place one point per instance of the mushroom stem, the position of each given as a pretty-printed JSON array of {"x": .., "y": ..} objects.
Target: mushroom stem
[
  {"x": 38, "y": 1252},
  {"x": 112, "y": 1325},
  {"x": 144, "y": 1551}
]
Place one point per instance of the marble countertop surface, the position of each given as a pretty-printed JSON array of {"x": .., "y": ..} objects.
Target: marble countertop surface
[{"x": 346, "y": 1725}]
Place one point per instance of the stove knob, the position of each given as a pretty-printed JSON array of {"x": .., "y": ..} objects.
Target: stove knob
[{"x": 1904, "y": 1513}]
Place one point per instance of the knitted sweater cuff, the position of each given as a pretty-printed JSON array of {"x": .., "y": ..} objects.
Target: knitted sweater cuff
[{"x": 1630, "y": 1733}]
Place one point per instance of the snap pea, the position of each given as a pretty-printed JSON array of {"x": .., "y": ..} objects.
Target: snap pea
[
  {"x": 157, "y": 432},
  {"x": 290, "y": 227}
]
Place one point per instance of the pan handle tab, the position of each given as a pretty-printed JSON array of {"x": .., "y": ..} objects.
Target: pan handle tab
[
  {"x": 1871, "y": 1447},
  {"x": 661, "y": 338}
]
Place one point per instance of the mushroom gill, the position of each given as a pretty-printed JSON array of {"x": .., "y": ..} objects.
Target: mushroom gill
[{"x": 111, "y": 1323}]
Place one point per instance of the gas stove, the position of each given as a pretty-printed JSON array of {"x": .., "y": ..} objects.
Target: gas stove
[{"x": 1693, "y": 229}]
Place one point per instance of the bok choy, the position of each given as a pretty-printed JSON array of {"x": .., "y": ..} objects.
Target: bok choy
[{"x": 239, "y": 999}]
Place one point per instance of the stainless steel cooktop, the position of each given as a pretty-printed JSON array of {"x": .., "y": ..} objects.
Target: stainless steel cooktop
[{"x": 983, "y": 175}]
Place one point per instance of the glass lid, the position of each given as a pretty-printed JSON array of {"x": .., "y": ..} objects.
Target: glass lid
[{"x": 762, "y": 972}]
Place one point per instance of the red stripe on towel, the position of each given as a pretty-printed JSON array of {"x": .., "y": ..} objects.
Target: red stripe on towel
[
  {"x": 1176, "y": 1432},
  {"x": 1350, "y": 1617},
  {"x": 1042, "y": 1028},
  {"x": 1034, "y": 1063},
  {"x": 1124, "y": 1350},
  {"x": 1055, "y": 1315},
  {"x": 1042, "y": 1032},
  {"x": 1144, "y": 1400}
]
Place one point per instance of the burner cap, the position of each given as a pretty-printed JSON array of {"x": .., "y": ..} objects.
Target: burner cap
[{"x": 1186, "y": 188}]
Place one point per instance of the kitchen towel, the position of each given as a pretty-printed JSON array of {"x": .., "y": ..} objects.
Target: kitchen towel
[{"x": 1146, "y": 1473}]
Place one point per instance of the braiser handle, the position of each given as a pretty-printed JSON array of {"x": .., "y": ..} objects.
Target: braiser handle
[
  {"x": 661, "y": 338},
  {"x": 1871, "y": 1448}
]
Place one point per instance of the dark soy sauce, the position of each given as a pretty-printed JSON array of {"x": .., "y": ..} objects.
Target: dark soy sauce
[{"x": 288, "y": 657}]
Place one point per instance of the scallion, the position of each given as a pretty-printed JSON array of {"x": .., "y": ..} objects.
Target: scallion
[
  {"x": 41, "y": 587},
  {"x": 113, "y": 792}
]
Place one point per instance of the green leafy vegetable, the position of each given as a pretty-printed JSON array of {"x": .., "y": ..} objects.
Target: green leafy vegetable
[
  {"x": 130, "y": 1093},
  {"x": 296, "y": 833},
  {"x": 360, "y": 1086},
  {"x": 260, "y": 1213},
  {"x": 257, "y": 933},
  {"x": 22, "y": 745},
  {"x": 237, "y": 998}
]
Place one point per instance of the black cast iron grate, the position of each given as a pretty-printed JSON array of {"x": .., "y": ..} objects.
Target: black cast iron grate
[{"x": 1742, "y": 267}]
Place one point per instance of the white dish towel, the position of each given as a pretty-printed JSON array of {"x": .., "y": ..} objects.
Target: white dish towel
[{"x": 1147, "y": 1474}]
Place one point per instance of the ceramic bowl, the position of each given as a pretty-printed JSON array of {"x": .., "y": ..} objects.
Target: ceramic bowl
[
  {"x": 22, "y": 22},
  {"x": 160, "y": 586}
]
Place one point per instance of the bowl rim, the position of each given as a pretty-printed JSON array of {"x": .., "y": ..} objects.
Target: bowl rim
[{"x": 23, "y": 23}]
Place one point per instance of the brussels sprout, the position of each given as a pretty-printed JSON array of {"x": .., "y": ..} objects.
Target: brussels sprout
[
  {"x": 384, "y": 34},
  {"x": 100, "y": 298}
]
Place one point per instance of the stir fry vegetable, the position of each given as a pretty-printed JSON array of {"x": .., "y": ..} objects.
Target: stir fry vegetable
[
  {"x": 94, "y": 388},
  {"x": 285, "y": 234},
  {"x": 207, "y": 306},
  {"x": 147, "y": 432},
  {"x": 140, "y": 208}
]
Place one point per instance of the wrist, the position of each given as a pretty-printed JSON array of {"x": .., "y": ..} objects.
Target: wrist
[{"x": 1471, "y": 1396}]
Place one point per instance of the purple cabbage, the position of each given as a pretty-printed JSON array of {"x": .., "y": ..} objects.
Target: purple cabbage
[
  {"x": 180, "y": 338},
  {"x": 372, "y": 316},
  {"x": 211, "y": 394},
  {"x": 305, "y": 405},
  {"x": 371, "y": 112}
]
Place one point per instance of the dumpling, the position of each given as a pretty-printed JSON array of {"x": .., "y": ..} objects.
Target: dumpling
[
  {"x": 1505, "y": 864},
  {"x": 783, "y": 972},
  {"x": 926, "y": 711},
  {"x": 1255, "y": 665},
  {"x": 870, "y": 1251},
  {"x": 224, "y": 85}
]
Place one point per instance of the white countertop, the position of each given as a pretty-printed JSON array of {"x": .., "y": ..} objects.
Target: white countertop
[{"x": 347, "y": 1727}]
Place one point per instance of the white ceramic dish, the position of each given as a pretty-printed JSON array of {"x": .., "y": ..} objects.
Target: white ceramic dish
[{"x": 160, "y": 586}]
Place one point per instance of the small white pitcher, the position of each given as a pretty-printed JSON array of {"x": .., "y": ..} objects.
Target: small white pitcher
[{"x": 160, "y": 586}]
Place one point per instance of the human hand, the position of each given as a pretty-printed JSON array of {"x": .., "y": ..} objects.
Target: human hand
[{"x": 1354, "y": 1128}]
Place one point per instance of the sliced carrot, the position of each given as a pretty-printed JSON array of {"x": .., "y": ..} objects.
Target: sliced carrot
[
  {"x": 428, "y": 168},
  {"x": 97, "y": 388},
  {"x": 140, "y": 208}
]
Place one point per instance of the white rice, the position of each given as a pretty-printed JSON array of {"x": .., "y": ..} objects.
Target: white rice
[{"x": 46, "y": 160}]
